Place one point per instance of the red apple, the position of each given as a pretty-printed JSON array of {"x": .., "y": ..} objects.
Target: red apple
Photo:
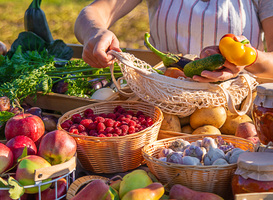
[
  {"x": 6, "y": 158},
  {"x": 49, "y": 193},
  {"x": 57, "y": 147},
  {"x": 26, "y": 124},
  {"x": 18, "y": 143},
  {"x": 25, "y": 172}
]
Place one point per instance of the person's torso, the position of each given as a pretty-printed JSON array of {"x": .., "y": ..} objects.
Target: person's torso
[{"x": 187, "y": 26}]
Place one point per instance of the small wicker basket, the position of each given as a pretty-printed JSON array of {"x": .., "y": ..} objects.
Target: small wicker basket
[
  {"x": 215, "y": 179},
  {"x": 115, "y": 154}
]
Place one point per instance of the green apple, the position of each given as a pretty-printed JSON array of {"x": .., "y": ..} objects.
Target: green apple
[{"x": 25, "y": 172}]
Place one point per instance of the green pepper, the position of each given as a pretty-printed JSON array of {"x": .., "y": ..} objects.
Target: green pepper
[
  {"x": 236, "y": 51},
  {"x": 169, "y": 59},
  {"x": 35, "y": 21}
]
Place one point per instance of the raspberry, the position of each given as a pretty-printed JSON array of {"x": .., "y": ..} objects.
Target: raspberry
[
  {"x": 74, "y": 126},
  {"x": 100, "y": 119},
  {"x": 109, "y": 122},
  {"x": 88, "y": 112},
  {"x": 121, "y": 110},
  {"x": 139, "y": 113},
  {"x": 116, "y": 108},
  {"x": 66, "y": 129},
  {"x": 101, "y": 135},
  {"x": 149, "y": 121},
  {"x": 103, "y": 115},
  {"x": 66, "y": 124},
  {"x": 81, "y": 128},
  {"x": 130, "y": 112},
  {"x": 115, "y": 135},
  {"x": 83, "y": 133},
  {"x": 131, "y": 130},
  {"x": 109, "y": 130},
  {"x": 132, "y": 123},
  {"x": 111, "y": 116},
  {"x": 117, "y": 130},
  {"x": 109, "y": 135},
  {"x": 100, "y": 126},
  {"x": 126, "y": 120},
  {"x": 128, "y": 116},
  {"x": 102, "y": 132},
  {"x": 74, "y": 131},
  {"x": 124, "y": 128},
  {"x": 76, "y": 118},
  {"x": 92, "y": 126},
  {"x": 120, "y": 118},
  {"x": 93, "y": 133},
  {"x": 123, "y": 134},
  {"x": 86, "y": 122},
  {"x": 117, "y": 124}
]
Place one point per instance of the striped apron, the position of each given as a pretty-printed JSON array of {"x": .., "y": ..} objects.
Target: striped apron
[{"x": 188, "y": 26}]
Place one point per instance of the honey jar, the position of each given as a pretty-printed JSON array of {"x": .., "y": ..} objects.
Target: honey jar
[
  {"x": 254, "y": 173},
  {"x": 262, "y": 112}
]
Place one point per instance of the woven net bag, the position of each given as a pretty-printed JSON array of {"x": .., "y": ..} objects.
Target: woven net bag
[{"x": 181, "y": 96}]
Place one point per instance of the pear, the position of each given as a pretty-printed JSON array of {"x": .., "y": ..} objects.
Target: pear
[
  {"x": 134, "y": 180},
  {"x": 153, "y": 191}
]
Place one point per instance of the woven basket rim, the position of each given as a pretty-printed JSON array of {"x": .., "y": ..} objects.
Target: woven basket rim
[
  {"x": 113, "y": 139},
  {"x": 192, "y": 167}
]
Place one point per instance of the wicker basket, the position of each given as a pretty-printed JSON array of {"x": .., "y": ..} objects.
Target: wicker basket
[
  {"x": 215, "y": 179},
  {"x": 115, "y": 154}
]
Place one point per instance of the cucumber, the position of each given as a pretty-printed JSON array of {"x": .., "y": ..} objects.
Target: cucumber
[{"x": 209, "y": 63}]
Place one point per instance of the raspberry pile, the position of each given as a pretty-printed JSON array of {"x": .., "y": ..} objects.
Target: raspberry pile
[{"x": 120, "y": 122}]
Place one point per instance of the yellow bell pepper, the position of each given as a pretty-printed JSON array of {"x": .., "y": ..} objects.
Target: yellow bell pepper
[{"x": 236, "y": 51}]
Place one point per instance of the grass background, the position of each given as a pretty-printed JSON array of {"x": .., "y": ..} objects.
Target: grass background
[{"x": 61, "y": 16}]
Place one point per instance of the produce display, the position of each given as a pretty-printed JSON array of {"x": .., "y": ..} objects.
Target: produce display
[
  {"x": 120, "y": 122},
  {"x": 30, "y": 141}
]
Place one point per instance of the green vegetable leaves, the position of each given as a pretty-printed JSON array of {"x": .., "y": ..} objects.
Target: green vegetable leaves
[{"x": 29, "y": 41}]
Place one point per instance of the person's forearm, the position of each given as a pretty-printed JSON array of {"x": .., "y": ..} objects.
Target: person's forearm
[
  {"x": 101, "y": 14},
  {"x": 263, "y": 67}
]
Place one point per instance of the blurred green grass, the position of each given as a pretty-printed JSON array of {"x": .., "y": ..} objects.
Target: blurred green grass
[{"x": 61, "y": 16}]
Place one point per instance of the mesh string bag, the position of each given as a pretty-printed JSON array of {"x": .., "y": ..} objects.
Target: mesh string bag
[{"x": 181, "y": 96}]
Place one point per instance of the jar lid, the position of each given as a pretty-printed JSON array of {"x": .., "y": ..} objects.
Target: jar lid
[
  {"x": 264, "y": 95},
  {"x": 265, "y": 89},
  {"x": 256, "y": 165}
]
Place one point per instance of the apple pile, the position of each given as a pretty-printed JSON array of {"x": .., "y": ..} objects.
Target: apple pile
[
  {"x": 120, "y": 122},
  {"x": 30, "y": 147}
]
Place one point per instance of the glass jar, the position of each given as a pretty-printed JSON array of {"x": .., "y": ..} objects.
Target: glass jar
[
  {"x": 262, "y": 112},
  {"x": 254, "y": 173}
]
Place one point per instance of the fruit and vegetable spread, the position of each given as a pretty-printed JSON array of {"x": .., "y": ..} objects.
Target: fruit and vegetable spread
[{"x": 120, "y": 122}]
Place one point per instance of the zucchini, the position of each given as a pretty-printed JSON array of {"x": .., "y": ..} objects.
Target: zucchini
[
  {"x": 209, "y": 63},
  {"x": 35, "y": 21}
]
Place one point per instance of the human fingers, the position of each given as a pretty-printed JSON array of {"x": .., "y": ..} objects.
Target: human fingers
[
  {"x": 107, "y": 42},
  {"x": 214, "y": 76}
]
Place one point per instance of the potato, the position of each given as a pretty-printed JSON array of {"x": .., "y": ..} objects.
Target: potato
[
  {"x": 187, "y": 129},
  {"x": 232, "y": 122},
  {"x": 170, "y": 123},
  {"x": 206, "y": 129},
  {"x": 215, "y": 116},
  {"x": 184, "y": 120}
]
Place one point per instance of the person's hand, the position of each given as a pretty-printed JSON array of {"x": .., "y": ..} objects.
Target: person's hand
[
  {"x": 96, "y": 47},
  {"x": 227, "y": 71}
]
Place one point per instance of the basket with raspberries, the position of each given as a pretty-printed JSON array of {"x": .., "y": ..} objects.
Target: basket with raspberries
[{"x": 110, "y": 135}]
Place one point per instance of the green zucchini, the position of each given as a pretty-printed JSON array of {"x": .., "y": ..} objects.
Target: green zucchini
[
  {"x": 35, "y": 21},
  {"x": 209, "y": 63}
]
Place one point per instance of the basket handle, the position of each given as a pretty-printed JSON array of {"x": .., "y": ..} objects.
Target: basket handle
[
  {"x": 230, "y": 102},
  {"x": 55, "y": 170},
  {"x": 117, "y": 82}
]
